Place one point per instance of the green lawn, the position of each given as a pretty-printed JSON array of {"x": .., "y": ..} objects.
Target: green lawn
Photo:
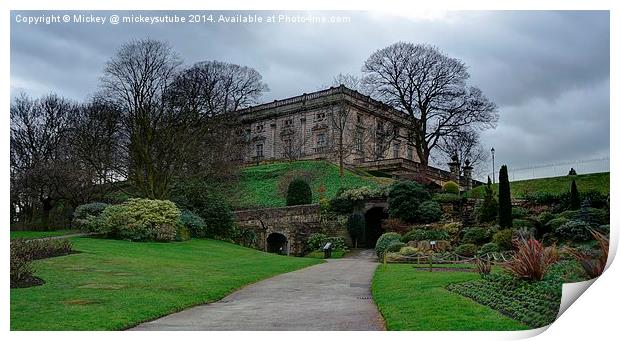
[
  {"x": 411, "y": 299},
  {"x": 115, "y": 284},
  {"x": 265, "y": 185},
  {"x": 40, "y": 234},
  {"x": 587, "y": 182}
]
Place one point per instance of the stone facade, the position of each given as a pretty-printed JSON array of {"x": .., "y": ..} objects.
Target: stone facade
[{"x": 308, "y": 127}]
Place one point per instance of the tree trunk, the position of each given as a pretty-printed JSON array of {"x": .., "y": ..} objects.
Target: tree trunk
[
  {"x": 341, "y": 154},
  {"x": 46, "y": 207}
]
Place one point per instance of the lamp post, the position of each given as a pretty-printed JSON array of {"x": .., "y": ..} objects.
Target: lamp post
[{"x": 493, "y": 157}]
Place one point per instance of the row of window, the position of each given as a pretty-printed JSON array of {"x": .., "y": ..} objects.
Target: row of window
[
  {"x": 318, "y": 117},
  {"x": 321, "y": 142}
]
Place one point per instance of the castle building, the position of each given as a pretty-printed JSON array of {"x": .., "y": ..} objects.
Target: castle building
[{"x": 331, "y": 124}]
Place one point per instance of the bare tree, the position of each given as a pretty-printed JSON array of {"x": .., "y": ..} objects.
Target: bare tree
[
  {"x": 382, "y": 135},
  {"x": 96, "y": 139},
  {"x": 341, "y": 118},
  {"x": 204, "y": 98},
  {"x": 431, "y": 88},
  {"x": 137, "y": 79},
  {"x": 41, "y": 174},
  {"x": 294, "y": 143},
  {"x": 465, "y": 144},
  {"x": 350, "y": 81},
  {"x": 213, "y": 88}
]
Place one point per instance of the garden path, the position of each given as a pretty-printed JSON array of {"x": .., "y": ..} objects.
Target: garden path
[{"x": 334, "y": 295}]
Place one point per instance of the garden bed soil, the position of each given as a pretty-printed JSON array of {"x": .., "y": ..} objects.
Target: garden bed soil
[{"x": 31, "y": 281}]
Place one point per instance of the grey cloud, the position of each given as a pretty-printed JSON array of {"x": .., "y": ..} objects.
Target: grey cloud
[{"x": 547, "y": 71}]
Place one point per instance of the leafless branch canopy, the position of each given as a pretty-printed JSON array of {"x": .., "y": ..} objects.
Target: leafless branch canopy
[{"x": 431, "y": 88}]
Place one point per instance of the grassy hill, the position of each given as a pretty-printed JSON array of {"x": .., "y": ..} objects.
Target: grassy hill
[
  {"x": 586, "y": 182},
  {"x": 266, "y": 185}
]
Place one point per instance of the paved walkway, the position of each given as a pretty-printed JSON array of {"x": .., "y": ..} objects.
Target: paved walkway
[{"x": 330, "y": 296}]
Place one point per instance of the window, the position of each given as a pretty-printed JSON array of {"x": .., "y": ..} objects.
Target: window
[
  {"x": 259, "y": 150},
  {"x": 380, "y": 126},
  {"x": 320, "y": 140},
  {"x": 360, "y": 120},
  {"x": 320, "y": 116},
  {"x": 410, "y": 153},
  {"x": 380, "y": 149},
  {"x": 259, "y": 128},
  {"x": 357, "y": 141},
  {"x": 288, "y": 122},
  {"x": 396, "y": 150}
]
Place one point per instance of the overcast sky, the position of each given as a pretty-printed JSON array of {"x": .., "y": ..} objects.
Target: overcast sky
[{"x": 548, "y": 72}]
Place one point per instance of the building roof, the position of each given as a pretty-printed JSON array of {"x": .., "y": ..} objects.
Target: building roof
[{"x": 313, "y": 97}]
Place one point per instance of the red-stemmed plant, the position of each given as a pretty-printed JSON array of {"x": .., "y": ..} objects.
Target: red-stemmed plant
[{"x": 531, "y": 260}]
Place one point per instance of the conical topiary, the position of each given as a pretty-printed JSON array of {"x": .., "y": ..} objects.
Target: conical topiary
[
  {"x": 505, "y": 205},
  {"x": 575, "y": 202}
]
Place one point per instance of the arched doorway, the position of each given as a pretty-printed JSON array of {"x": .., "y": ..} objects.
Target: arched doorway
[
  {"x": 373, "y": 228},
  {"x": 277, "y": 243}
]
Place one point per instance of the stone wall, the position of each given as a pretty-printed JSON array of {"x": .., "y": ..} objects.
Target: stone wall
[{"x": 296, "y": 223}]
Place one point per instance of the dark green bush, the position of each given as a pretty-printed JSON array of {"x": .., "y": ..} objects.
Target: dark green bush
[
  {"x": 574, "y": 230},
  {"x": 429, "y": 212},
  {"x": 561, "y": 202},
  {"x": 341, "y": 205},
  {"x": 384, "y": 241},
  {"x": 142, "y": 220},
  {"x": 503, "y": 239},
  {"x": 596, "y": 199},
  {"x": 338, "y": 243},
  {"x": 545, "y": 217},
  {"x": 487, "y": 212},
  {"x": 317, "y": 241},
  {"x": 554, "y": 223},
  {"x": 488, "y": 248},
  {"x": 356, "y": 225},
  {"x": 85, "y": 216},
  {"x": 519, "y": 212},
  {"x": 466, "y": 250},
  {"x": 404, "y": 198},
  {"x": 476, "y": 235},
  {"x": 194, "y": 223},
  {"x": 447, "y": 197},
  {"x": 593, "y": 216},
  {"x": 202, "y": 199},
  {"x": 395, "y": 246},
  {"x": 93, "y": 208},
  {"x": 299, "y": 193},
  {"x": 451, "y": 187},
  {"x": 422, "y": 234}
]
